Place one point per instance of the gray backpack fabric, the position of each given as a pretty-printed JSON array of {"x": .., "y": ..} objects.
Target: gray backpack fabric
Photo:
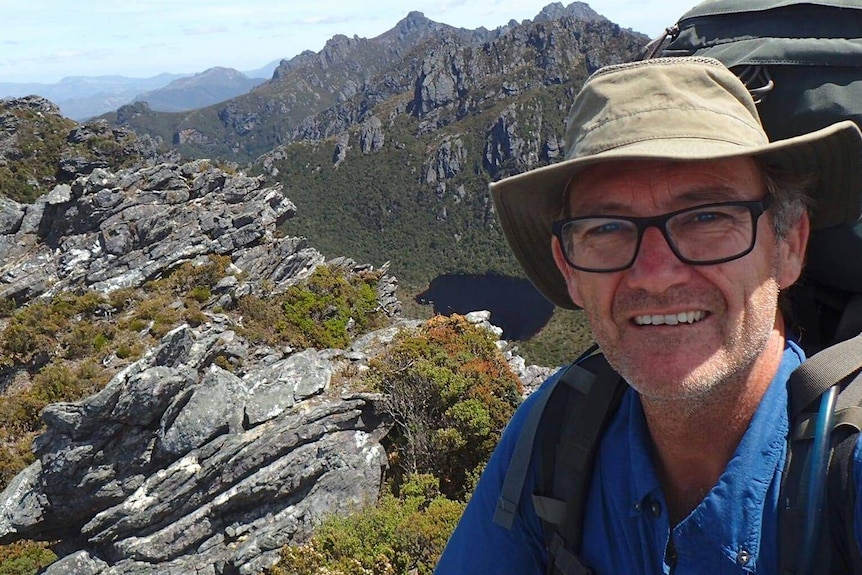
[{"x": 802, "y": 60}]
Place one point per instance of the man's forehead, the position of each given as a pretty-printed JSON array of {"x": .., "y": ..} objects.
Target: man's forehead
[{"x": 639, "y": 184}]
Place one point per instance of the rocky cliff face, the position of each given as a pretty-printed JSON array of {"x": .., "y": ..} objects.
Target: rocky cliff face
[
  {"x": 454, "y": 115},
  {"x": 107, "y": 230}
]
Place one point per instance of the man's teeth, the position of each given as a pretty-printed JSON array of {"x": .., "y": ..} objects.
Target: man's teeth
[{"x": 670, "y": 319}]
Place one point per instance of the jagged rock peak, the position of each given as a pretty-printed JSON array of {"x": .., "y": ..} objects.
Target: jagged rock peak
[
  {"x": 339, "y": 41},
  {"x": 413, "y": 28},
  {"x": 415, "y": 20},
  {"x": 579, "y": 10}
]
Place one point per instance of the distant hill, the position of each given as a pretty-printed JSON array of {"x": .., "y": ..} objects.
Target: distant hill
[
  {"x": 264, "y": 72},
  {"x": 83, "y": 97},
  {"x": 209, "y": 87}
]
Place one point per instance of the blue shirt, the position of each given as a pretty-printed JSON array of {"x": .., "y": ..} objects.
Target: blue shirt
[{"x": 734, "y": 530}]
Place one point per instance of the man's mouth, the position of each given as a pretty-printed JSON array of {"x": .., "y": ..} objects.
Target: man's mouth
[{"x": 688, "y": 317}]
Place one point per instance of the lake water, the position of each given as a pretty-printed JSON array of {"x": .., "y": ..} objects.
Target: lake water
[{"x": 515, "y": 305}]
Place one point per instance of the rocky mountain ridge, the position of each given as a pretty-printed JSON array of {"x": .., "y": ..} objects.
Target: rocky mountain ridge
[
  {"x": 418, "y": 150},
  {"x": 371, "y": 71}
]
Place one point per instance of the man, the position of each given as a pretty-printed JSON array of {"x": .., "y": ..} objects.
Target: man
[{"x": 674, "y": 224}]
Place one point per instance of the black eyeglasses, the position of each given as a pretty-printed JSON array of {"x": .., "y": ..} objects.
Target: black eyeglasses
[{"x": 702, "y": 235}]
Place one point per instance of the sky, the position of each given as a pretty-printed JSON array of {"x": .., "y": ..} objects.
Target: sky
[{"x": 46, "y": 40}]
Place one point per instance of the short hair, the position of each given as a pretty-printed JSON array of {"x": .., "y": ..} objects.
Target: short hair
[{"x": 791, "y": 194}]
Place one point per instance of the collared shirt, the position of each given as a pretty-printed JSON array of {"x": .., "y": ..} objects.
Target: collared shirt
[{"x": 734, "y": 530}]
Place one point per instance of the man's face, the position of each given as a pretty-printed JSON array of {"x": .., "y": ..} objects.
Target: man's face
[{"x": 730, "y": 309}]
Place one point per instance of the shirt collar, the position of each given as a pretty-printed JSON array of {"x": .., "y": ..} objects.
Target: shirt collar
[{"x": 746, "y": 481}]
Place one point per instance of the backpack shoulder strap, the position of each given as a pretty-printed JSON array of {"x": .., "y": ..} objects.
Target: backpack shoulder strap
[
  {"x": 568, "y": 420},
  {"x": 850, "y": 323},
  {"x": 831, "y": 366},
  {"x": 841, "y": 506},
  {"x": 571, "y": 443},
  {"x": 839, "y": 365},
  {"x": 519, "y": 465}
]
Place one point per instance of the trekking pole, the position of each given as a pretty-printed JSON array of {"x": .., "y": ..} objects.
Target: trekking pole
[{"x": 817, "y": 482}]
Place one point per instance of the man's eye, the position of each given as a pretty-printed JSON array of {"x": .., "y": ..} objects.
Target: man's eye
[
  {"x": 709, "y": 217},
  {"x": 605, "y": 229}
]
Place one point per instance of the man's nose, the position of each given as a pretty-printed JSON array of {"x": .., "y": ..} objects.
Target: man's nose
[{"x": 656, "y": 268}]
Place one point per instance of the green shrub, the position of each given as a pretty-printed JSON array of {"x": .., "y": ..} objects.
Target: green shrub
[
  {"x": 327, "y": 310},
  {"x": 399, "y": 536},
  {"x": 25, "y": 558},
  {"x": 450, "y": 393},
  {"x": 126, "y": 351},
  {"x": 190, "y": 276},
  {"x": 160, "y": 312},
  {"x": 55, "y": 382},
  {"x": 43, "y": 327},
  {"x": 31, "y": 330},
  {"x": 7, "y": 306},
  {"x": 15, "y": 453},
  {"x": 125, "y": 298},
  {"x": 318, "y": 312},
  {"x": 200, "y": 293},
  {"x": 86, "y": 338}
]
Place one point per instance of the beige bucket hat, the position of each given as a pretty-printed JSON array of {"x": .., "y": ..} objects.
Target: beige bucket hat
[{"x": 679, "y": 109}]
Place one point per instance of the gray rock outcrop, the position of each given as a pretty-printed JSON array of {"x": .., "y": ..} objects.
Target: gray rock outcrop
[
  {"x": 371, "y": 135},
  {"x": 105, "y": 231},
  {"x": 187, "y": 462},
  {"x": 180, "y": 466}
]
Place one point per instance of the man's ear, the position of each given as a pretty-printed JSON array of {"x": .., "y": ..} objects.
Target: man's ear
[
  {"x": 792, "y": 251},
  {"x": 567, "y": 271}
]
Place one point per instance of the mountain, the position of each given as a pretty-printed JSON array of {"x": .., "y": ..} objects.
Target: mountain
[
  {"x": 77, "y": 87},
  {"x": 84, "y": 97},
  {"x": 306, "y": 85},
  {"x": 387, "y": 144},
  {"x": 81, "y": 97},
  {"x": 209, "y": 87}
]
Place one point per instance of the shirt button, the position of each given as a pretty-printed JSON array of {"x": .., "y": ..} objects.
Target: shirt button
[
  {"x": 655, "y": 508},
  {"x": 743, "y": 557}
]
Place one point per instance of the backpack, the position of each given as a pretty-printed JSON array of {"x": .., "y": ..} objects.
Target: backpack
[{"x": 802, "y": 63}]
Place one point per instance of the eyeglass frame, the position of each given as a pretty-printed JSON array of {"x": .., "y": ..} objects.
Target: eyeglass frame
[{"x": 755, "y": 207}]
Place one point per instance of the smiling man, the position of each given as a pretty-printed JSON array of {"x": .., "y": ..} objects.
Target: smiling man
[{"x": 675, "y": 224}]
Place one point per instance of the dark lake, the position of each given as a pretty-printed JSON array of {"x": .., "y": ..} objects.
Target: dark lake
[{"x": 515, "y": 305}]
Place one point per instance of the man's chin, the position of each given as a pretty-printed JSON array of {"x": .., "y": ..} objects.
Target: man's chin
[{"x": 670, "y": 375}]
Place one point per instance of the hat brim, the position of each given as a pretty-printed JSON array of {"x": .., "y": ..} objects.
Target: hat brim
[{"x": 527, "y": 204}]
